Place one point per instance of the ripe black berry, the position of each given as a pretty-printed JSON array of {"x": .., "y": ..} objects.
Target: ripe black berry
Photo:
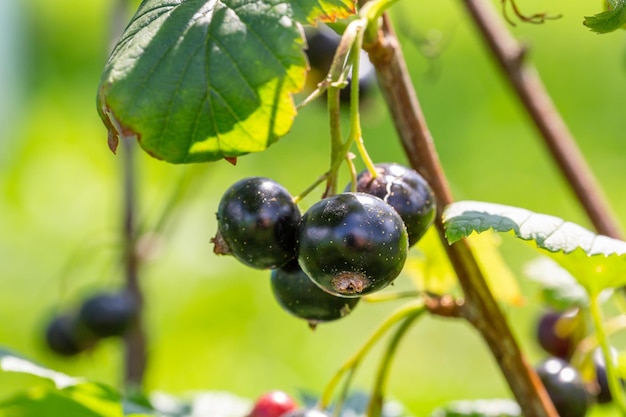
[
  {"x": 352, "y": 244},
  {"x": 64, "y": 337},
  {"x": 322, "y": 42},
  {"x": 555, "y": 333},
  {"x": 406, "y": 191},
  {"x": 273, "y": 404},
  {"x": 565, "y": 387},
  {"x": 108, "y": 314},
  {"x": 300, "y": 296},
  {"x": 257, "y": 219}
]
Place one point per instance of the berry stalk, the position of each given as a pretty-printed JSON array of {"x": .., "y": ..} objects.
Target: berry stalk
[{"x": 615, "y": 386}]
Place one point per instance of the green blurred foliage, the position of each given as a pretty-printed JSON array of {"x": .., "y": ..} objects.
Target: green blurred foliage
[{"x": 212, "y": 323}]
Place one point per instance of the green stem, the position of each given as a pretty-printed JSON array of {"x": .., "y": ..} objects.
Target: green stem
[
  {"x": 374, "y": 408},
  {"x": 336, "y": 141},
  {"x": 603, "y": 339},
  {"x": 352, "y": 363}
]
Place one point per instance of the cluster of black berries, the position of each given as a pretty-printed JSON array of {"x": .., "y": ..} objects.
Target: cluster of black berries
[
  {"x": 322, "y": 42},
  {"x": 343, "y": 247},
  {"x": 558, "y": 333},
  {"x": 102, "y": 315}
]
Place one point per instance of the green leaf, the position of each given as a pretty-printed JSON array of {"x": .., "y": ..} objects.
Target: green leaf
[
  {"x": 86, "y": 397},
  {"x": 480, "y": 408},
  {"x": 559, "y": 288},
  {"x": 323, "y": 10},
  {"x": 597, "y": 262},
  {"x": 11, "y": 362},
  {"x": 202, "y": 80},
  {"x": 608, "y": 20}
]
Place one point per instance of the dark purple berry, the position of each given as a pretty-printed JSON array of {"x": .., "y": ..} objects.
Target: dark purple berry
[
  {"x": 107, "y": 315},
  {"x": 406, "y": 191},
  {"x": 322, "y": 42},
  {"x": 64, "y": 337},
  {"x": 257, "y": 219},
  {"x": 273, "y": 404},
  {"x": 555, "y": 333},
  {"x": 565, "y": 387},
  {"x": 299, "y": 295},
  {"x": 352, "y": 244}
]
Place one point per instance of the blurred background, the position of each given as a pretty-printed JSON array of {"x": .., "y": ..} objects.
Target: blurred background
[{"x": 213, "y": 323}]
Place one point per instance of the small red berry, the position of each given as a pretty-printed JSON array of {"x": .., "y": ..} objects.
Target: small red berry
[{"x": 273, "y": 404}]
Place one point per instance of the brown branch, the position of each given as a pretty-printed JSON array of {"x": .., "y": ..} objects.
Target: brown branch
[
  {"x": 557, "y": 137},
  {"x": 480, "y": 308},
  {"x": 135, "y": 338}
]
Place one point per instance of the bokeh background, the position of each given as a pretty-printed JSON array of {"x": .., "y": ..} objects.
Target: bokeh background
[{"x": 212, "y": 323}]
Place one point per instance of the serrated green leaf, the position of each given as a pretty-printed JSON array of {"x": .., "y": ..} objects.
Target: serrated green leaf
[
  {"x": 597, "y": 262},
  {"x": 200, "y": 80},
  {"x": 608, "y": 20},
  {"x": 480, "y": 408}
]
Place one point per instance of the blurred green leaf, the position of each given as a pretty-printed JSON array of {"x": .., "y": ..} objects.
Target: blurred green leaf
[
  {"x": 201, "y": 80},
  {"x": 559, "y": 288},
  {"x": 11, "y": 362},
  {"x": 480, "y": 408},
  {"x": 608, "y": 20},
  {"x": 597, "y": 262}
]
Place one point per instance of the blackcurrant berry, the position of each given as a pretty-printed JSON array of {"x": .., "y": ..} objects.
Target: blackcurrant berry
[
  {"x": 108, "y": 314},
  {"x": 554, "y": 333},
  {"x": 64, "y": 337},
  {"x": 352, "y": 244},
  {"x": 406, "y": 191},
  {"x": 565, "y": 387},
  {"x": 300, "y": 296},
  {"x": 322, "y": 42},
  {"x": 273, "y": 404},
  {"x": 257, "y": 219}
]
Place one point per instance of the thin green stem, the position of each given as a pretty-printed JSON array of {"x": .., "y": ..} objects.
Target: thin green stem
[
  {"x": 603, "y": 339},
  {"x": 353, "y": 362},
  {"x": 344, "y": 393},
  {"x": 336, "y": 141},
  {"x": 374, "y": 408},
  {"x": 310, "y": 188}
]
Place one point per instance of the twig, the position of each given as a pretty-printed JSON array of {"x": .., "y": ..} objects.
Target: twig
[
  {"x": 480, "y": 308},
  {"x": 557, "y": 137},
  {"x": 135, "y": 357},
  {"x": 134, "y": 339}
]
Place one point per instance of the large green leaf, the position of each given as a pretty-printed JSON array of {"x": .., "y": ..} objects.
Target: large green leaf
[
  {"x": 69, "y": 396},
  {"x": 201, "y": 80},
  {"x": 597, "y": 262}
]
